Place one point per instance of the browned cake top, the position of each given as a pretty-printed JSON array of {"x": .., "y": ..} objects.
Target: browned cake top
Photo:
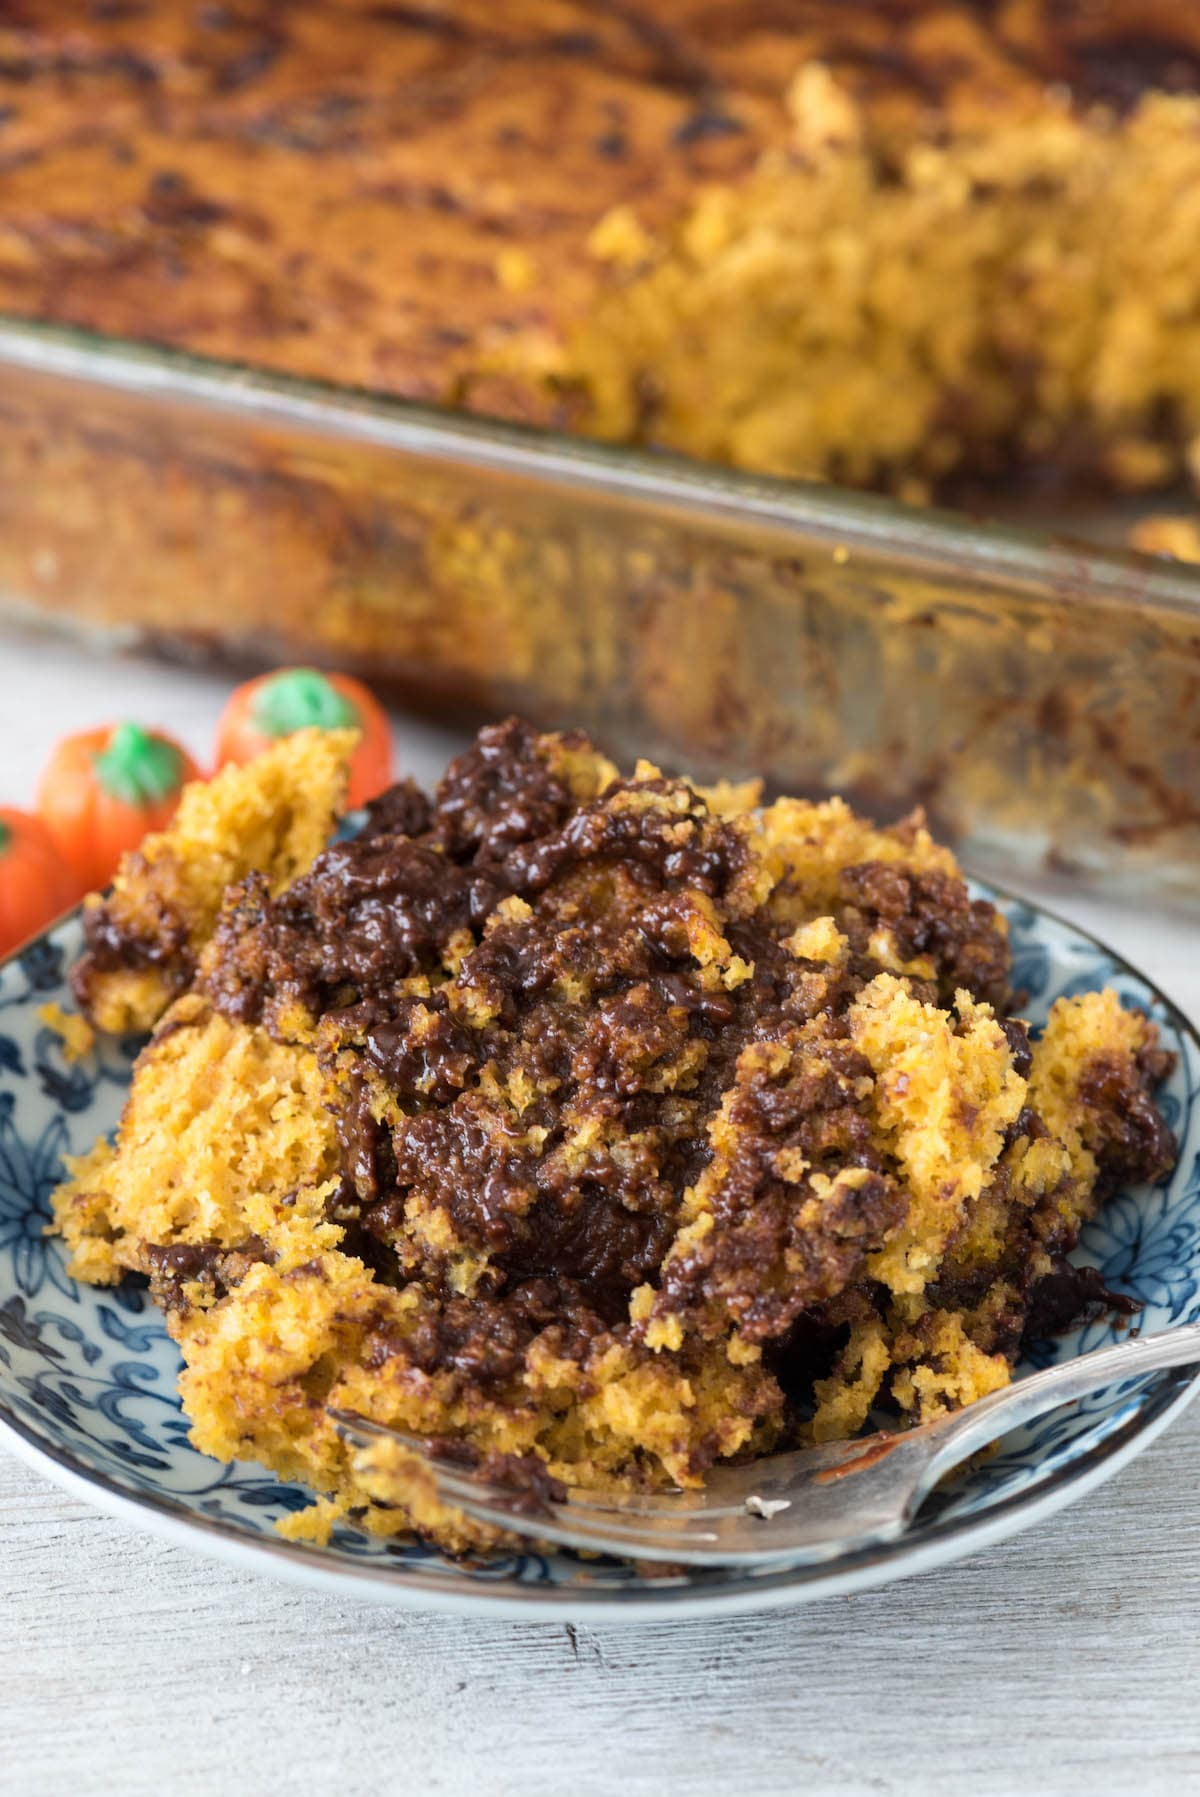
[{"x": 378, "y": 193}]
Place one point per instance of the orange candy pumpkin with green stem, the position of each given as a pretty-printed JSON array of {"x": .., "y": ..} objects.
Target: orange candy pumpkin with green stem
[
  {"x": 274, "y": 705},
  {"x": 104, "y": 790},
  {"x": 36, "y": 885}
]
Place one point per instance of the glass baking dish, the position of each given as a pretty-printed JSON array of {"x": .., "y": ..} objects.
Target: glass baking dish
[{"x": 1040, "y": 698}]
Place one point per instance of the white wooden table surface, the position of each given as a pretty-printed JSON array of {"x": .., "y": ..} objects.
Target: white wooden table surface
[{"x": 1065, "y": 1661}]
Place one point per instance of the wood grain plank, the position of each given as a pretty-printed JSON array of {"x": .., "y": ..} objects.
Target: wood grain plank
[{"x": 1064, "y": 1662}]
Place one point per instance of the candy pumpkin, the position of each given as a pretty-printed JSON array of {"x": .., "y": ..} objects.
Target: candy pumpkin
[
  {"x": 104, "y": 790},
  {"x": 260, "y": 712},
  {"x": 35, "y": 883}
]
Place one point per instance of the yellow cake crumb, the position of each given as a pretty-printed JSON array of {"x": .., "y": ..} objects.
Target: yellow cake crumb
[
  {"x": 602, "y": 1129},
  {"x": 74, "y": 1032},
  {"x": 272, "y": 817}
]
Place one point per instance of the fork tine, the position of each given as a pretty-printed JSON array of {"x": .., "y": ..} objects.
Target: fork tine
[
  {"x": 556, "y": 1523},
  {"x": 602, "y": 1508},
  {"x": 466, "y": 1488},
  {"x": 451, "y": 1482},
  {"x": 642, "y": 1543},
  {"x": 567, "y": 1519}
]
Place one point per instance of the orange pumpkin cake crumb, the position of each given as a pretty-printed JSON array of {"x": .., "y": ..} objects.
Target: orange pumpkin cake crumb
[{"x": 604, "y": 1127}]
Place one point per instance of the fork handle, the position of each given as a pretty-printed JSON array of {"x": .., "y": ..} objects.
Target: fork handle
[{"x": 980, "y": 1423}]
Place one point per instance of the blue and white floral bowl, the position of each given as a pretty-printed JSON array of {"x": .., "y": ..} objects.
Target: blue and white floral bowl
[{"x": 88, "y": 1377}]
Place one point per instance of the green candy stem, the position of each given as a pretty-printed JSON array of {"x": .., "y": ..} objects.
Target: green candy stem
[
  {"x": 137, "y": 768},
  {"x": 297, "y": 699},
  {"x": 5, "y": 835}
]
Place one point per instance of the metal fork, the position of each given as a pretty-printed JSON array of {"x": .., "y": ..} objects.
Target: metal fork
[{"x": 814, "y": 1504}]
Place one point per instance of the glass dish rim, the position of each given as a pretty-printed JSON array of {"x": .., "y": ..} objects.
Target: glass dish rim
[{"x": 909, "y": 538}]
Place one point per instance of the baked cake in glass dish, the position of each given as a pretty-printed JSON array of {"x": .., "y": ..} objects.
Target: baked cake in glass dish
[{"x": 893, "y": 242}]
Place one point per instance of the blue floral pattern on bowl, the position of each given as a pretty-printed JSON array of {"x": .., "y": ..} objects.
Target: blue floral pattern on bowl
[{"x": 88, "y": 1376}]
